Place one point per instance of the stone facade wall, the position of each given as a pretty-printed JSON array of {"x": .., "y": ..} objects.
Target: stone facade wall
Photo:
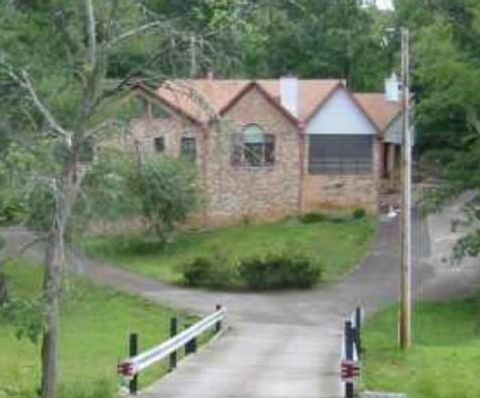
[
  {"x": 237, "y": 192},
  {"x": 172, "y": 129},
  {"x": 343, "y": 191}
]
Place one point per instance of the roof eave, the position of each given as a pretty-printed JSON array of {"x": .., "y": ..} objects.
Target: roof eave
[{"x": 155, "y": 96}]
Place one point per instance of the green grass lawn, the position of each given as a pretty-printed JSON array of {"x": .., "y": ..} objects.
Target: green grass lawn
[
  {"x": 95, "y": 324},
  {"x": 444, "y": 360},
  {"x": 337, "y": 246}
]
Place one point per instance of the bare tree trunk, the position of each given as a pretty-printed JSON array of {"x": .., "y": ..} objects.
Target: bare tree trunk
[
  {"x": 52, "y": 292},
  {"x": 52, "y": 285}
]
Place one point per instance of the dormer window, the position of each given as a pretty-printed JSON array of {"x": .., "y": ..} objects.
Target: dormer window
[{"x": 253, "y": 148}]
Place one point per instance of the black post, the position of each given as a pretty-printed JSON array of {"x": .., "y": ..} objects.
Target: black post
[
  {"x": 349, "y": 390},
  {"x": 133, "y": 350},
  {"x": 358, "y": 329},
  {"x": 191, "y": 346},
  {"x": 218, "y": 326},
  {"x": 173, "y": 332}
]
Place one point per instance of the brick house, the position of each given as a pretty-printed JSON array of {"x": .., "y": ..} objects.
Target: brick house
[{"x": 265, "y": 149}]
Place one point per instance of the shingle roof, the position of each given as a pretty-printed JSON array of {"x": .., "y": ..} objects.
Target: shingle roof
[
  {"x": 380, "y": 110},
  {"x": 203, "y": 99}
]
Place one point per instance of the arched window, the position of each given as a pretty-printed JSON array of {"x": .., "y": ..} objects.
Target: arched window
[{"x": 254, "y": 148}]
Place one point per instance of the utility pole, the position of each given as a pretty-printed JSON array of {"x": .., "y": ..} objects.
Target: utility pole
[{"x": 405, "y": 334}]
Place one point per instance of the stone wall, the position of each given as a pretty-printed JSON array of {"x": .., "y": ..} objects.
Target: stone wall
[
  {"x": 235, "y": 192},
  {"x": 172, "y": 129}
]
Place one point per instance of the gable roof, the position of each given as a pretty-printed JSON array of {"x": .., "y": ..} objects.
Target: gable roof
[
  {"x": 383, "y": 112},
  {"x": 203, "y": 100},
  {"x": 267, "y": 95},
  {"x": 310, "y": 93}
]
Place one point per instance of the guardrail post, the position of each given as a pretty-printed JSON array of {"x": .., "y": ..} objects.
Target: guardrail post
[
  {"x": 133, "y": 350},
  {"x": 358, "y": 329},
  {"x": 349, "y": 390},
  {"x": 218, "y": 325},
  {"x": 191, "y": 345},
  {"x": 173, "y": 332}
]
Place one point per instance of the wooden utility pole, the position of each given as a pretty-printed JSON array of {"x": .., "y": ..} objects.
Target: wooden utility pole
[{"x": 405, "y": 335}]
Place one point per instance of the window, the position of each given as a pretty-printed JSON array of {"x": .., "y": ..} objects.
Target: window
[
  {"x": 340, "y": 154},
  {"x": 159, "y": 144},
  {"x": 253, "y": 148},
  {"x": 188, "y": 148}
]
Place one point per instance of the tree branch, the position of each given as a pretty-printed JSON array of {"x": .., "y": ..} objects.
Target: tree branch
[
  {"x": 133, "y": 32},
  {"x": 113, "y": 13},
  {"x": 25, "y": 82},
  {"x": 98, "y": 128},
  {"x": 92, "y": 37}
]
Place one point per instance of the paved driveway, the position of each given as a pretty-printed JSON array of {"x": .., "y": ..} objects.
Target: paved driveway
[{"x": 276, "y": 345}]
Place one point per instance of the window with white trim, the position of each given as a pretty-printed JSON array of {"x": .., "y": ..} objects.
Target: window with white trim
[{"x": 253, "y": 148}]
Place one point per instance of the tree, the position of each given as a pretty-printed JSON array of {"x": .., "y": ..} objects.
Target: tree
[
  {"x": 167, "y": 191},
  {"x": 318, "y": 39},
  {"x": 158, "y": 188},
  {"x": 447, "y": 87},
  {"x": 73, "y": 105}
]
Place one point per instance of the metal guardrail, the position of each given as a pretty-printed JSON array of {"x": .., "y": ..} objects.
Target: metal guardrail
[
  {"x": 131, "y": 367},
  {"x": 351, "y": 352}
]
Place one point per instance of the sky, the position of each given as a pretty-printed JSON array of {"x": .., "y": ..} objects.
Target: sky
[{"x": 385, "y": 4}]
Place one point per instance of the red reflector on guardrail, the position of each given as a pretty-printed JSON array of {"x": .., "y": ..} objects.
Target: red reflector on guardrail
[
  {"x": 350, "y": 370},
  {"x": 125, "y": 369}
]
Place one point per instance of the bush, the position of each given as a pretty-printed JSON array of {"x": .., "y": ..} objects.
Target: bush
[
  {"x": 359, "y": 213},
  {"x": 311, "y": 218},
  {"x": 168, "y": 192},
  {"x": 277, "y": 271},
  {"x": 274, "y": 271},
  {"x": 212, "y": 272},
  {"x": 197, "y": 271}
]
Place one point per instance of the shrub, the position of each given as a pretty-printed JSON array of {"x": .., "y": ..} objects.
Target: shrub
[
  {"x": 197, "y": 271},
  {"x": 359, "y": 213},
  {"x": 214, "y": 272},
  {"x": 168, "y": 191},
  {"x": 274, "y": 271},
  {"x": 277, "y": 271},
  {"x": 311, "y": 218}
]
